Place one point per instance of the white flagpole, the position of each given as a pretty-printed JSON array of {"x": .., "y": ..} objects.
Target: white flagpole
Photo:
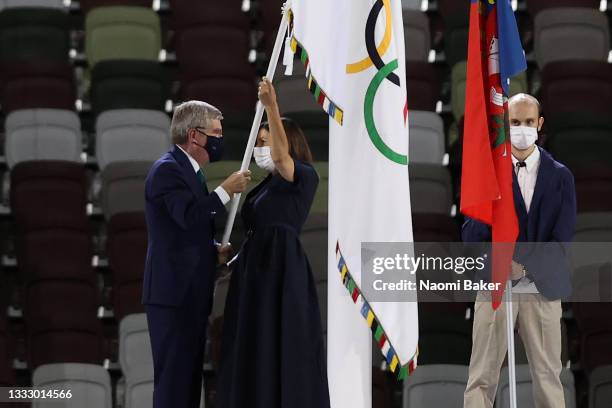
[
  {"x": 510, "y": 332},
  {"x": 248, "y": 153}
]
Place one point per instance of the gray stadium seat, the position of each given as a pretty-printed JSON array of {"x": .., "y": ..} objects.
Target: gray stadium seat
[
  {"x": 411, "y": 4},
  {"x": 139, "y": 389},
  {"x": 600, "y": 387},
  {"x": 570, "y": 33},
  {"x": 90, "y": 385},
  {"x": 524, "y": 393},
  {"x": 417, "y": 37},
  {"x": 430, "y": 188},
  {"x": 427, "y": 143},
  {"x": 436, "y": 385},
  {"x": 58, "y": 4},
  {"x": 123, "y": 187},
  {"x": 135, "y": 353},
  {"x": 131, "y": 135},
  {"x": 42, "y": 134},
  {"x": 292, "y": 91}
]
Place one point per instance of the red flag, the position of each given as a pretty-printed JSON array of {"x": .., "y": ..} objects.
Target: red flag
[{"x": 486, "y": 180}]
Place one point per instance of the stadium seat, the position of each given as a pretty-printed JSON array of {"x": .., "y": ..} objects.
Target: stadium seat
[
  {"x": 422, "y": 86},
  {"x": 600, "y": 387},
  {"x": 56, "y": 4},
  {"x": 315, "y": 126},
  {"x": 593, "y": 188},
  {"x": 131, "y": 135},
  {"x": 319, "y": 204},
  {"x": 437, "y": 385},
  {"x": 435, "y": 228},
  {"x": 90, "y": 384},
  {"x": 233, "y": 96},
  {"x": 61, "y": 322},
  {"x": 580, "y": 140},
  {"x": 269, "y": 18},
  {"x": 88, "y": 5},
  {"x": 430, "y": 188},
  {"x": 441, "y": 324},
  {"x": 187, "y": 13},
  {"x": 535, "y": 6},
  {"x": 135, "y": 353},
  {"x": 123, "y": 186},
  {"x": 593, "y": 227},
  {"x": 411, "y": 4},
  {"x": 126, "y": 248},
  {"x": 524, "y": 393},
  {"x": 417, "y": 38},
  {"x": 39, "y": 85},
  {"x": 122, "y": 32},
  {"x": 575, "y": 87},
  {"x": 128, "y": 85},
  {"x": 456, "y": 38},
  {"x": 34, "y": 35},
  {"x": 427, "y": 142},
  {"x": 139, "y": 389},
  {"x": 236, "y": 130},
  {"x": 42, "y": 134},
  {"x": 518, "y": 84},
  {"x": 292, "y": 90},
  {"x": 573, "y": 27},
  {"x": 48, "y": 194},
  {"x": 451, "y": 8}
]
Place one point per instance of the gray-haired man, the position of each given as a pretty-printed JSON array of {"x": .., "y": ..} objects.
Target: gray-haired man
[{"x": 182, "y": 255}]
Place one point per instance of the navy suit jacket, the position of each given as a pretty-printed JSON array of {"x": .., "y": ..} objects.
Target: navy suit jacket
[
  {"x": 548, "y": 228},
  {"x": 181, "y": 249}
]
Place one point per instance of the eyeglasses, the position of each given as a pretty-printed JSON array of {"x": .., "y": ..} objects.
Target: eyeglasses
[{"x": 199, "y": 129}]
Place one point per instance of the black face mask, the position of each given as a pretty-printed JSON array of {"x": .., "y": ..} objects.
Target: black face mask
[{"x": 214, "y": 148}]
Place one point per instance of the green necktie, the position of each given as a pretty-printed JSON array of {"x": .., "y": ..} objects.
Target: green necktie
[{"x": 202, "y": 179}]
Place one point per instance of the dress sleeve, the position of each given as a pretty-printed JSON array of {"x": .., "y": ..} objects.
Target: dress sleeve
[{"x": 305, "y": 180}]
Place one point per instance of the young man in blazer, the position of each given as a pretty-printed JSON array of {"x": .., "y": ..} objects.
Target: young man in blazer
[
  {"x": 182, "y": 255},
  {"x": 545, "y": 204}
]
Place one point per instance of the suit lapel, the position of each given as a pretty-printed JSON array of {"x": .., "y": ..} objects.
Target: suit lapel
[
  {"x": 187, "y": 168},
  {"x": 544, "y": 171}
]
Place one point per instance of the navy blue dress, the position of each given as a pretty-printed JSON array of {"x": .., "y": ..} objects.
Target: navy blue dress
[{"x": 273, "y": 353}]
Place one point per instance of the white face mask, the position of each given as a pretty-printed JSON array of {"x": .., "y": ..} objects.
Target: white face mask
[
  {"x": 522, "y": 137},
  {"x": 263, "y": 158}
]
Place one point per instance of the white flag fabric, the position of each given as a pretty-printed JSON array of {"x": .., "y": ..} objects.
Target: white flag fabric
[{"x": 354, "y": 55}]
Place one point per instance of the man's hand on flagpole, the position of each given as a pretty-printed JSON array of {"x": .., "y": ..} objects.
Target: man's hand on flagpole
[{"x": 224, "y": 253}]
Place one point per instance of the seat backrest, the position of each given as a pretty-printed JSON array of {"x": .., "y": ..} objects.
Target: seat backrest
[
  {"x": 430, "y": 188},
  {"x": 593, "y": 227},
  {"x": 573, "y": 27},
  {"x": 600, "y": 387},
  {"x": 34, "y": 34},
  {"x": 126, "y": 246},
  {"x": 436, "y": 385},
  {"x": 42, "y": 134},
  {"x": 417, "y": 37},
  {"x": 122, "y": 32},
  {"x": 135, "y": 353},
  {"x": 123, "y": 187},
  {"x": 535, "y": 6},
  {"x": 293, "y": 95},
  {"x": 90, "y": 384},
  {"x": 427, "y": 144},
  {"x": 57, "y": 4},
  {"x": 186, "y": 13},
  {"x": 139, "y": 389},
  {"x": 131, "y": 135},
  {"x": 87, "y": 5},
  {"x": 422, "y": 85},
  {"x": 524, "y": 388},
  {"x": 411, "y": 4}
]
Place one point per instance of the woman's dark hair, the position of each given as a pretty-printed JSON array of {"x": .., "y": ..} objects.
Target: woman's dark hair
[{"x": 298, "y": 146}]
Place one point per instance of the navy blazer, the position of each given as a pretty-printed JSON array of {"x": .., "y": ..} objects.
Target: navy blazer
[
  {"x": 181, "y": 249},
  {"x": 551, "y": 219}
]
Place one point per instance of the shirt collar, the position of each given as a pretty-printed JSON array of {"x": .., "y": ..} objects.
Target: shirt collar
[
  {"x": 194, "y": 163},
  {"x": 531, "y": 162}
]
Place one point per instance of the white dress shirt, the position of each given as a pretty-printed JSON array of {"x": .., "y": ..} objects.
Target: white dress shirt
[
  {"x": 223, "y": 195},
  {"x": 526, "y": 178}
]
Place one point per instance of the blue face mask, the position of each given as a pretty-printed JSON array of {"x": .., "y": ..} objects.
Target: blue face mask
[{"x": 214, "y": 148}]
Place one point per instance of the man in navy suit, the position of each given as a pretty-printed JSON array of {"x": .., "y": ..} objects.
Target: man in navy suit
[
  {"x": 182, "y": 255},
  {"x": 545, "y": 203}
]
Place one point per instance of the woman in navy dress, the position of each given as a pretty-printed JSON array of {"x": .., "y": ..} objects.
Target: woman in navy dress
[{"x": 272, "y": 352}]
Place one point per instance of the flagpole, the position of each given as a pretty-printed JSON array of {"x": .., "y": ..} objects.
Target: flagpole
[
  {"x": 248, "y": 153},
  {"x": 510, "y": 332}
]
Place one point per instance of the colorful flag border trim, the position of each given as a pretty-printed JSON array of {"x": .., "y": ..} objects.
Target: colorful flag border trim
[
  {"x": 320, "y": 96},
  {"x": 378, "y": 332}
]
